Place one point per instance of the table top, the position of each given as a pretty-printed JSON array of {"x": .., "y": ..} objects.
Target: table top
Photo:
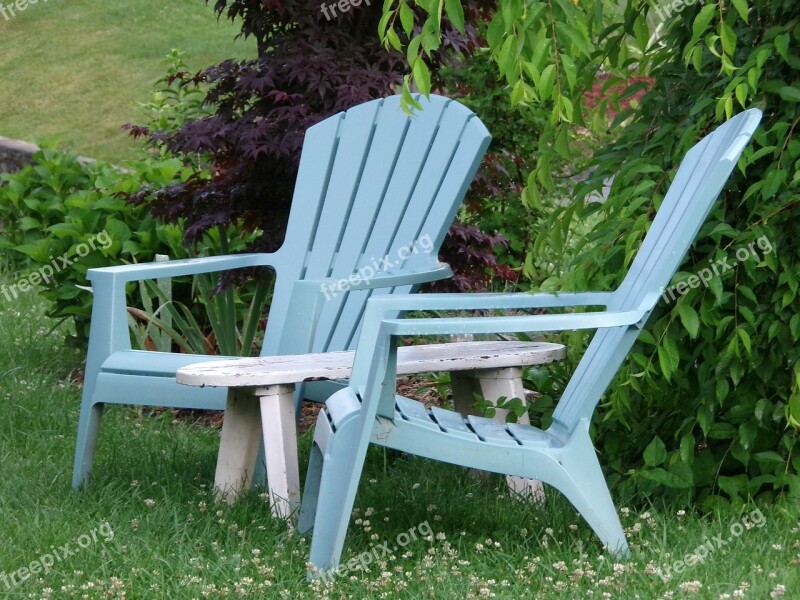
[{"x": 296, "y": 368}]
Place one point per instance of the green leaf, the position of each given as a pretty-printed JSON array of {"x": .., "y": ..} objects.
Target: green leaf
[
  {"x": 747, "y": 434},
  {"x": 565, "y": 108},
  {"x": 715, "y": 286},
  {"x": 721, "y": 390},
  {"x": 782, "y": 45},
  {"x": 722, "y": 431},
  {"x": 546, "y": 82},
  {"x": 383, "y": 24},
  {"x": 569, "y": 70},
  {"x": 705, "y": 418},
  {"x": 702, "y": 21},
  {"x": 507, "y": 56},
  {"x": 687, "y": 448},
  {"x": 741, "y": 94},
  {"x": 689, "y": 318},
  {"x": 422, "y": 76},
  {"x": 666, "y": 478},
  {"x": 407, "y": 18},
  {"x": 768, "y": 456},
  {"x": 26, "y": 223},
  {"x": 633, "y": 89},
  {"x": 393, "y": 40},
  {"x": 745, "y": 337},
  {"x": 794, "y": 326},
  {"x": 789, "y": 93},
  {"x": 668, "y": 357},
  {"x": 655, "y": 453},
  {"x": 762, "y": 407},
  {"x": 728, "y": 38},
  {"x": 455, "y": 12},
  {"x": 641, "y": 32},
  {"x": 412, "y": 52},
  {"x": 580, "y": 40},
  {"x": 517, "y": 93},
  {"x": 741, "y": 8}
]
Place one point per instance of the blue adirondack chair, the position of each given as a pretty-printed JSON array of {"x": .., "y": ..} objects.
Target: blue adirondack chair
[
  {"x": 562, "y": 456},
  {"x": 374, "y": 185}
]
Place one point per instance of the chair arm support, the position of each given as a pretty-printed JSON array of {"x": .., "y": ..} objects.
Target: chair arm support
[
  {"x": 174, "y": 268},
  {"x": 109, "y": 331}
]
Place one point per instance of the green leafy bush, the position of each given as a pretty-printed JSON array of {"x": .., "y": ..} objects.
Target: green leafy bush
[
  {"x": 61, "y": 217},
  {"x": 708, "y": 403},
  {"x": 493, "y": 202}
]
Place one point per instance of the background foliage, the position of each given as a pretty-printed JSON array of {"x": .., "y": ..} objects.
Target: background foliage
[
  {"x": 708, "y": 403},
  {"x": 51, "y": 207}
]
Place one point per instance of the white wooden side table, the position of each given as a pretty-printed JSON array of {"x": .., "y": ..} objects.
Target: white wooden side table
[{"x": 261, "y": 402}]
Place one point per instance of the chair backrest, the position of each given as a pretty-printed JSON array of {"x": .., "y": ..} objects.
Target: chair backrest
[
  {"x": 688, "y": 201},
  {"x": 374, "y": 185}
]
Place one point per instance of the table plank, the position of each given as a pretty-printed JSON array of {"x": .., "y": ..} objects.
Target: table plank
[{"x": 454, "y": 356}]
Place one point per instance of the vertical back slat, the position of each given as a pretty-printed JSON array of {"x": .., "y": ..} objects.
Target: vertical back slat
[
  {"x": 316, "y": 164},
  {"x": 454, "y": 157},
  {"x": 355, "y": 140}
]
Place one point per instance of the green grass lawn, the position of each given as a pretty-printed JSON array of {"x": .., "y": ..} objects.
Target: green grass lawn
[
  {"x": 76, "y": 69},
  {"x": 147, "y": 526}
]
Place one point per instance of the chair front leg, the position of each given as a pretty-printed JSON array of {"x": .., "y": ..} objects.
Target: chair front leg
[{"x": 86, "y": 443}]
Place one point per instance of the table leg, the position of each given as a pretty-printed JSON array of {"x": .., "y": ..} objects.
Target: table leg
[
  {"x": 280, "y": 446},
  {"x": 493, "y": 384},
  {"x": 238, "y": 448}
]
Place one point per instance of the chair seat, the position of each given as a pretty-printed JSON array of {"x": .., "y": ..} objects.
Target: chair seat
[
  {"x": 435, "y": 422},
  {"x": 152, "y": 364}
]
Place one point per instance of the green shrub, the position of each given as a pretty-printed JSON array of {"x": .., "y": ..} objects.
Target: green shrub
[
  {"x": 62, "y": 217},
  {"x": 708, "y": 402}
]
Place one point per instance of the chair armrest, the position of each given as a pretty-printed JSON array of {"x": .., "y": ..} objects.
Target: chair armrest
[
  {"x": 109, "y": 330},
  {"x": 522, "y": 300},
  {"x": 331, "y": 287},
  {"x": 379, "y": 308},
  {"x": 512, "y": 324},
  {"x": 374, "y": 367},
  {"x": 174, "y": 268}
]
